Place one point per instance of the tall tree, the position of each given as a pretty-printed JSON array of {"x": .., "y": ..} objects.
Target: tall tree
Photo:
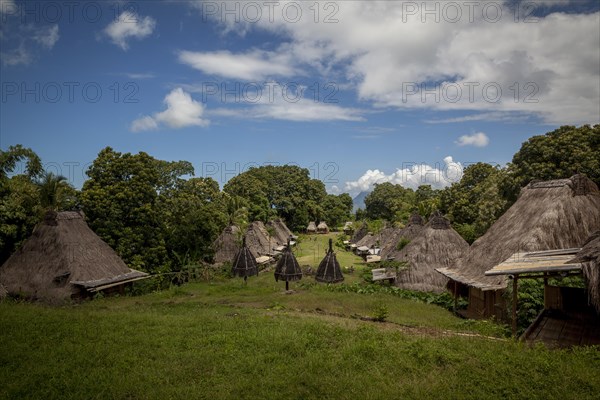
[{"x": 390, "y": 202}]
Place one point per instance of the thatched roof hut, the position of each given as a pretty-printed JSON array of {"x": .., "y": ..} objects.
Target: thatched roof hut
[
  {"x": 348, "y": 228},
  {"x": 64, "y": 259},
  {"x": 589, "y": 257},
  {"x": 281, "y": 233},
  {"x": 322, "y": 227},
  {"x": 368, "y": 240},
  {"x": 436, "y": 245},
  {"x": 360, "y": 233},
  {"x": 329, "y": 270},
  {"x": 244, "y": 263},
  {"x": 258, "y": 240},
  {"x": 227, "y": 245},
  {"x": 312, "y": 227},
  {"x": 548, "y": 215},
  {"x": 287, "y": 268},
  {"x": 389, "y": 247}
]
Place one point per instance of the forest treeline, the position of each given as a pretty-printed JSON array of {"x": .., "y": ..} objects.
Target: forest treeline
[{"x": 158, "y": 216}]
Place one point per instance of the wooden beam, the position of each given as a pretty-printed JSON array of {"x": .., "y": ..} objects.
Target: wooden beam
[{"x": 514, "y": 305}]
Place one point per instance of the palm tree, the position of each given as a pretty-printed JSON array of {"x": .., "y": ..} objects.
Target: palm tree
[{"x": 51, "y": 187}]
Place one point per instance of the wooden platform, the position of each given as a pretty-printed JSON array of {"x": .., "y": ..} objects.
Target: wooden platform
[{"x": 560, "y": 329}]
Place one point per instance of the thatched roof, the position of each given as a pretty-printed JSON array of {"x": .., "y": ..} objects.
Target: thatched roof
[
  {"x": 64, "y": 258},
  {"x": 548, "y": 215},
  {"x": 322, "y": 227},
  {"x": 227, "y": 245},
  {"x": 368, "y": 240},
  {"x": 312, "y": 227},
  {"x": 436, "y": 245},
  {"x": 281, "y": 233},
  {"x": 329, "y": 270},
  {"x": 3, "y": 291},
  {"x": 589, "y": 256},
  {"x": 360, "y": 233},
  {"x": 244, "y": 263},
  {"x": 348, "y": 227},
  {"x": 287, "y": 268},
  {"x": 410, "y": 231},
  {"x": 258, "y": 240}
]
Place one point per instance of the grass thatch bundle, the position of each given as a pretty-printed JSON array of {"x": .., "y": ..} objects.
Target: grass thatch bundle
[
  {"x": 258, "y": 240},
  {"x": 227, "y": 245},
  {"x": 244, "y": 263},
  {"x": 550, "y": 215},
  {"x": 62, "y": 259},
  {"x": 589, "y": 256},
  {"x": 329, "y": 270},
  {"x": 287, "y": 268},
  {"x": 436, "y": 245}
]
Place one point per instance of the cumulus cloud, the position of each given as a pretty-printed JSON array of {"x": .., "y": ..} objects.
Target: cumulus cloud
[
  {"x": 405, "y": 58},
  {"x": 32, "y": 41},
  {"x": 182, "y": 111},
  {"x": 129, "y": 25},
  {"x": 411, "y": 175},
  {"x": 478, "y": 139},
  {"x": 253, "y": 65}
]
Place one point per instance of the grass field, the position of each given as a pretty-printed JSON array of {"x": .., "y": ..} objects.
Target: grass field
[{"x": 227, "y": 340}]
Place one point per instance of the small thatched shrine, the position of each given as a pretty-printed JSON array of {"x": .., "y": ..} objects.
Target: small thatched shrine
[
  {"x": 65, "y": 259},
  {"x": 436, "y": 245},
  {"x": 227, "y": 245},
  {"x": 287, "y": 268},
  {"x": 312, "y": 227},
  {"x": 557, "y": 214},
  {"x": 329, "y": 270},
  {"x": 244, "y": 263},
  {"x": 322, "y": 227}
]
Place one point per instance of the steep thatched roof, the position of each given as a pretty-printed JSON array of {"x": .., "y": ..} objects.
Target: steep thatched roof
[
  {"x": 322, "y": 227},
  {"x": 244, "y": 263},
  {"x": 360, "y": 233},
  {"x": 329, "y": 270},
  {"x": 287, "y": 268},
  {"x": 368, "y": 240},
  {"x": 281, "y": 233},
  {"x": 312, "y": 227},
  {"x": 64, "y": 258},
  {"x": 3, "y": 291},
  {"x": 227, "y": 245},
  {"x": 410, "y": 231},
  {"x": 258, "y": 240},
  {"x": 548, "y": 215},
  {"x": 436, "y": 245},
  {"x": 589, "y": 256}
]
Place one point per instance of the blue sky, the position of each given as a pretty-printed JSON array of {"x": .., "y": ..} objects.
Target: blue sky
[{"x": 358, "y": 92}]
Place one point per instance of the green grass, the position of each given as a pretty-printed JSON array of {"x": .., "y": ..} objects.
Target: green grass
[
  {"x": 312, "y": 248},
  {"x": 225, "y": 340}
]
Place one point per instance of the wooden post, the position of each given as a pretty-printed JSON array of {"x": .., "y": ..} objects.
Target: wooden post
[
  {"x": 514, "y": 305},
  {"x": 287, "y": 286}
]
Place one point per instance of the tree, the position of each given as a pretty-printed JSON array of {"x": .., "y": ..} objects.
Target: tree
[
  {"x": 390, "y": 202},
  {"x": 558, "y": 154},
  {"x": 336, "y": 209},
  {"x": 55, "y": 192}
]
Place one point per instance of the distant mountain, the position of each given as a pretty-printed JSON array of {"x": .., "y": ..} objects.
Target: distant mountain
[{"x": 359, "y": 201}]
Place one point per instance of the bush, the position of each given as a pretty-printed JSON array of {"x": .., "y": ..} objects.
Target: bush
[{"x": 402, "y": 243}]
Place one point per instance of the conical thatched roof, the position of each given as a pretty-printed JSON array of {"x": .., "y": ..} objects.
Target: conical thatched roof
[
  {"x": 312, "y": 227},
  {"x": 281, "y": 233},
  {"x": 322, "y": 227},
  {"x": 550, "y": 215},
  {"x": 64, "y": 258},
  {"x": 258, "y": 240},
  {"x": 368, "y": 240},
  {"x": 360, "y": 233},
  {"x": 287, "y": 268},
  {"x": 244, "y": 263},
  {"x": 227, "y": 245},
  {"x": 589, "y": 256},
  {"x": 329, "y": 270},
  {"x": 410, "y": 231},
  {"x": 436, "y": 245}
]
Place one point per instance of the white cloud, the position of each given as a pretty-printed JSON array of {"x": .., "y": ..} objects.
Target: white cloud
[
  {"x": 17, "y": 56},
  {"x": 47, "y": 36},
  {"x": 7, "y": 7},
  {"x": 129, "y": 25},
  {"x": 478, "y": 139},
  {"x": 32, "y": 40},
  {"x": 182, "y": 112},
  {"x": 411, "y": 175},
  {"x": 253, "y": 65},
  {"x": 546, "y": 69}
]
